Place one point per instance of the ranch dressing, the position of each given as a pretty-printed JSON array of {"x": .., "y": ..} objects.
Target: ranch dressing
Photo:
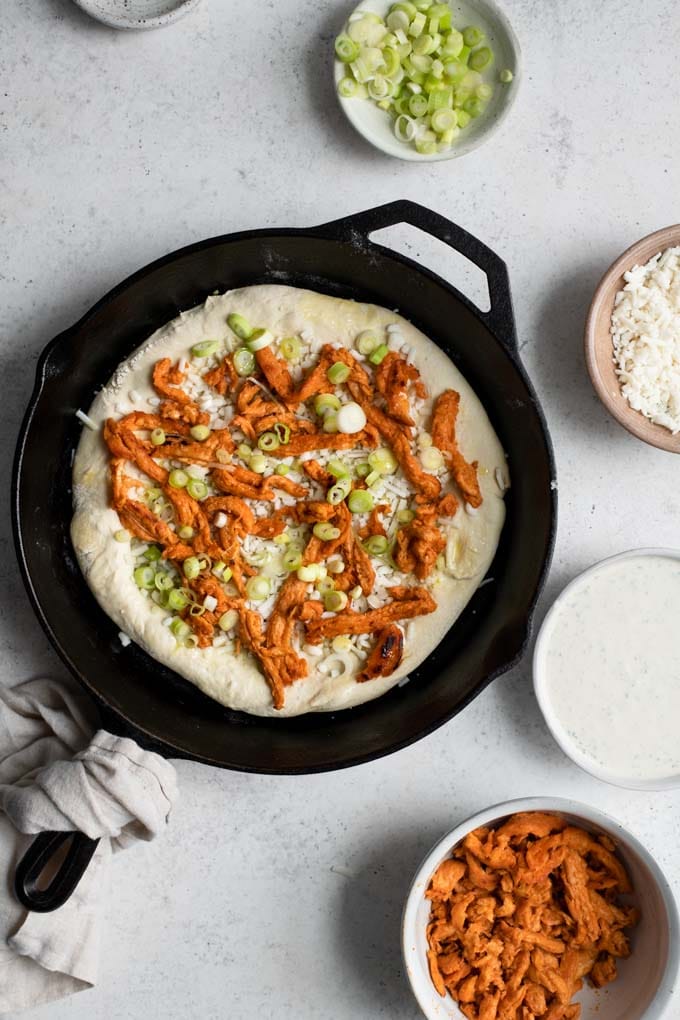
[{"x": 609, "y": 659}]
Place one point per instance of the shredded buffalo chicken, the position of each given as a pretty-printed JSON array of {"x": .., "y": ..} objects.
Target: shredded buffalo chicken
[
  {"x": 521, "y": 914},
  {"x": 212, "y": 525}
]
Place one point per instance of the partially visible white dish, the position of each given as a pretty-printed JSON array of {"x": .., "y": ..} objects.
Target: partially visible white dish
[
  {"x": 135, "y": 14},
  {"x": 606, "y": 668},
  {"x": 644, "y": 986},
  {"x": 375, "y": 125}
]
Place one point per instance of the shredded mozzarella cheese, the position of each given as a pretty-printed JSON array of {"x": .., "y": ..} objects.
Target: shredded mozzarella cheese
[{"x": 645, "y": 329}]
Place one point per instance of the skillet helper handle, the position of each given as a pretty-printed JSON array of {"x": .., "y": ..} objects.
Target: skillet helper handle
[
  {"x": 38, "y": 856},
  {"x": 356, "y": 229}
]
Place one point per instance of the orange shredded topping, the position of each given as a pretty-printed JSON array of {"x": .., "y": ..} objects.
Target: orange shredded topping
[
  {"x": 216, "y": 522},
  {"x": 521, "y": 914}
]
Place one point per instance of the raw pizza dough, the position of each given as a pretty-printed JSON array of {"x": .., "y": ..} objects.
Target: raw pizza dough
[{"x": 237, "y": 681}]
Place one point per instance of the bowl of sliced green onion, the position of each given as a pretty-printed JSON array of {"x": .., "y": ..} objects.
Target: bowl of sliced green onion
[{"x": 423, "y": 80}]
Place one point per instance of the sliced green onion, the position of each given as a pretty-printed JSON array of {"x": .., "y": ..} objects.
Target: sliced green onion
[
  {"x": 426, "y": 144},
  {"x": 372, "y": 477},
  {"x": 424, "y": 45},
  {"x": 339, "y": 491},
  {"x": 361, "y": 470},
  {"x": 199, "y": 432},
  {"x": 282, "y": 469},
  {"x": 244, "y": 451},
  {"x": 309, "y": 574},
  {"x": 481, "y": 58},
  {"x": 334, "y": 601},
  {"x": 379, "y": 354},
  {"x": 144, "y": 578},
  {"x": 346, "y": 49},
  {"x": 191, "y": 567},
  {"x": 432, "y": 459},
  {"x": 258, "y": 463},
  {"x": 282, "y": 433},
  {"x": 290, "y": 348},
  {"x": 237, "y": 324},
  {"x": 259, "y": 339},
  {"x": 268, "y": 441},
  {"x": 163, "y": 581},
  {"x": 452, "y": 44},
  {"x": 472, "y": 36},
  {"x": 121, "y": 535},
  {"x": 383, "y": 460},
  {"x": 404, "y": 128},
  {"x": 474, "y": 106},
  {"x": 197, "y": 489},
  {"x": 391, "y": 65},
  {"x": 228, "y": 620},
  {"x": 418, "y": 105},
  {"x": 366, "y": 341},
  {"x": 244, "y": 361},
  {"x": 282, "y": 539},
  {"x": 338, "y": 373},
  {"x": 326, "y": 402},
  {"x": 376, "y": 545},
  {"x": 177, "y": 600},
  {"x": 180, "y": 629},
  {"x": 330, "y": 422},
  {"x": 421, "y": 63},
  {"x": 360, "y": 501},
  {"x": 398, "y": 21},
  {"x": 326, "y": 532},
  {"x": 227, "y": 575},
  {"x": 418, "y": 55},
  {"x": 152, "y": 554},
  {"x": 506, "y": 76},
  {"x": 292, "y": 558},
  {"x": 186, "y": 532},
  {"x": 405, "y": 516},
  {"x": 351, "y": 418},
  {"x": 178, "y": 479},
  {"x": 158, "y": 437},
  {"x": 205, "y": 348},
  {"x": 325, "y": 584},
  {"x": 442, "y": 13},
  {"x": 380, "y": 87},
  {"x": 258, "y": 588},
  {"x": 337, "y": 469},
  {"x": 341, "y": 643},
  {"x": 443, "y": 120},
  {"x": 417, "y": 25}
]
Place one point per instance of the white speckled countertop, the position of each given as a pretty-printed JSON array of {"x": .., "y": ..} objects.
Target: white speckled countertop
[{"x": 116, "y": 148}]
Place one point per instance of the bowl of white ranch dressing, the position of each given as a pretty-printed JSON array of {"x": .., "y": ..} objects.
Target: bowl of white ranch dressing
[{"x": 607, "y": 669}]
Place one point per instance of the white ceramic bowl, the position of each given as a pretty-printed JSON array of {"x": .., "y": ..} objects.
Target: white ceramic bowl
[
  {"x": 644, "y": 986},
  {"x": 134, "y": 14},
  {"x": 376, "y": 125},
  {"x": 555, "y": 725}
]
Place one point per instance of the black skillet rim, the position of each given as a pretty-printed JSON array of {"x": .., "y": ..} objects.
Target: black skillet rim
[{"x": 338, "y": 230}]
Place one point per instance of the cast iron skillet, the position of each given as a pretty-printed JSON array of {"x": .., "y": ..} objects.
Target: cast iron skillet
[{"x": 148, "y": 701}]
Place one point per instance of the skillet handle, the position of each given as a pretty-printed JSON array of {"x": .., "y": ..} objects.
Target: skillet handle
[
  {"x": 38, "y": 856},
  {"x": 357, "y": 228}
]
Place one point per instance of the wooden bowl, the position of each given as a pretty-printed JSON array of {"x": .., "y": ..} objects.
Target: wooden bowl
[{"x": 598, "y": 340}]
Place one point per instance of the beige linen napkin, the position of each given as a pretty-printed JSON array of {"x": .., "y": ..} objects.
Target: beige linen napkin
[{"x": 56, "y": 775}]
